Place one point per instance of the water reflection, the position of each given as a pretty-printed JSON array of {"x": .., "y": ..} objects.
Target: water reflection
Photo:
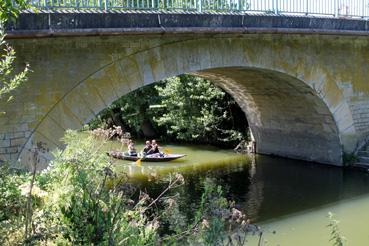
[
  {"x": 283, "y": 186},
  {"x": 267, "y": 188},
  {"x": 254, "y": 197}
]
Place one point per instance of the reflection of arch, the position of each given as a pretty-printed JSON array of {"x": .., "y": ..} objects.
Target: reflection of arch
[
  {"x": 289, "y": 116},
  {"x": 255, "y": 194}
]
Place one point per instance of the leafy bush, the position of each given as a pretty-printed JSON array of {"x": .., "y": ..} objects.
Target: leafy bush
[
  {"x": 84, "y": 201},
  {"x": 216, "y": 222},
  {"x": 9, "y": 9},
  {"x": 9, "y": 81},
  {"x": 12, "y": 204},
  {"x": 89, "y": 203}
]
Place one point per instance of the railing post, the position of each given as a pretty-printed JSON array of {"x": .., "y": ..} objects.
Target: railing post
[
  {"x": 275, "y": 6},
  {"x": 106, "y": 5},
  {"x": 45, "y": 3},
  {"x": 336, "y": 6},
  {"x": 100, "y": 4},
  {"x": 199, "y": 6},
  {"x": 363, "y": 7},
  {"x": 307, "y": 7}
]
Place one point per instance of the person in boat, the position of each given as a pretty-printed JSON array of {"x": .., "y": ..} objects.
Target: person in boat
[
  {"x": 131, "y": 148},
  {"x": 155, "y": 149},
  {"x": 147, "y": 148}
]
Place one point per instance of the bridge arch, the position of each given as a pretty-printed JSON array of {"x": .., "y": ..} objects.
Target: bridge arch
[{"x": 294, "y": 106}]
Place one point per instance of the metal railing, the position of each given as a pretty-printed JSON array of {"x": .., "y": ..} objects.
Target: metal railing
[{"x": 335, "y": 8}]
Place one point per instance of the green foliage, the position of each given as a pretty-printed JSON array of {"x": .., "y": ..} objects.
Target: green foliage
[
  {"x": 11, "y": 203},
  {"x": 11, "y": 8},
  {"x": 10, "y": 195},
  {"x": 16, "y": 204},
  {"x": 195, "y": 110},
  {"x": 185, "y": 108},
  {"x": 216, "y": 221},
  {"x": 9, "y": 80},
  {"x": 11, "y": 200},
  {"x": 221, "y": 5},
  {"x": 86, "y": 202},
  {"x": 81, "y": 200},
  {"x": 130, "y": 110},
  {"x": 89, "y": 203},
  {"x": 213, "y": 211},
  {"x": 198, "y": 111},
  {"x": 336, "y": 238}
]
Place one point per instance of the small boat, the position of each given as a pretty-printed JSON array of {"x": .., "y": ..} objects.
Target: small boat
[{"x": 150, "y": 158}]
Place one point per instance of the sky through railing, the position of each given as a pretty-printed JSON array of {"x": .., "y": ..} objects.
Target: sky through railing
[{"x": 335, "y": 8}]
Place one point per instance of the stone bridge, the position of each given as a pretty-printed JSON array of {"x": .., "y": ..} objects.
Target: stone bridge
[{"x": 301, "y": 81}]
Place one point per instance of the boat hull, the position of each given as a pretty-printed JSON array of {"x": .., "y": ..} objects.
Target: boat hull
[{"x": 150, "y": 158}]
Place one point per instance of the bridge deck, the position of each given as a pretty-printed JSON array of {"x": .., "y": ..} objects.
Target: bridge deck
[{"x": 80, "y": 23}]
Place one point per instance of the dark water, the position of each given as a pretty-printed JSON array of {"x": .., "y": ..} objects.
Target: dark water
[
  {"x": 270, "y": 187},
  {"x": 287, "y": 196}
]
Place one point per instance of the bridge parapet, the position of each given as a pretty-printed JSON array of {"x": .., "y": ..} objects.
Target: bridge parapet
[
  {"x": 335, "y": 8},
  {"x": 92, "y": 23}
]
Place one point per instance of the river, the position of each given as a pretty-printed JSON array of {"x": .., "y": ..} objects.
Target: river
[{"x": 289, "y": 199}]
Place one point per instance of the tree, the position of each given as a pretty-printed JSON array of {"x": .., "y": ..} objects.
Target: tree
[
  {"x": 132, "y": 112},
  {"x": 196, "y": 110}
]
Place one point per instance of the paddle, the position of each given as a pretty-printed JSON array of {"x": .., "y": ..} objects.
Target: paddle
[
  {"x": 138, "y": 162},
  {"x": 167, "y": 151}
]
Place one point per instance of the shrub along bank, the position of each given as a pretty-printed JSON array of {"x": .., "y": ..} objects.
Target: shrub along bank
[{"x": 81, "y": 200}]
